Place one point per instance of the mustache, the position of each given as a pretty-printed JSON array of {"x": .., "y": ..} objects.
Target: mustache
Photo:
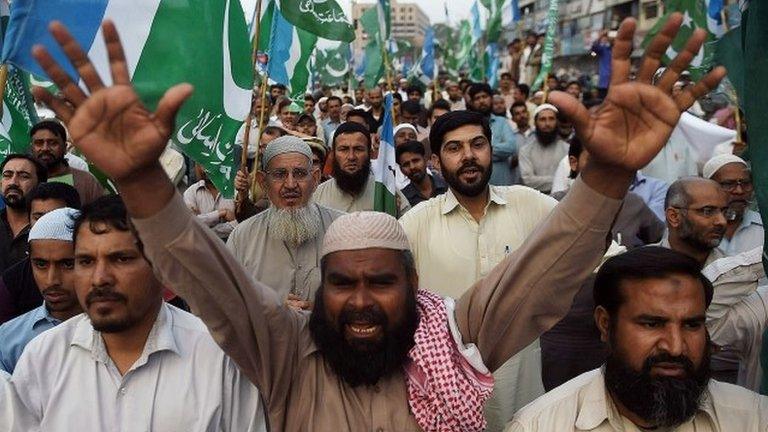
[
  {"x": 14, "y": 188},
  {"x": 681, "y": 361},
  {"x": 104, "y": 294},
  {"x": 369, "y": 315},
  {"x": 53, "y": 290},
  {"x": 470, "y": 165}
]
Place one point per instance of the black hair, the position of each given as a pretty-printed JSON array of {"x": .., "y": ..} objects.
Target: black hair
[
  {"x": 454, "y": 120},
  {"x": 518, "y": 104},
  {"x": 525, "y": 90},
  {"x": 506, "y": 74},
  {"x": 278, "y": 86},
  {"x": 574, "y": 150},
  {"x": 412, "y": 89},
  {"x": 365, "y": 115},
  {"x": 309, "y": 97},
  {"x": 409, "y": 147},
  {"x": 55, "y": 191},
  {"x": 53, "y": 126},
  {"x": 349, "y": 127},
  {"x": 274, "y": 130},
  {"x": 105, "y": 213},
  {"x": 479, "y": 88},
  {"x": 648, "y": 262},
  {"x": 570, "y": 83},
  {"x": 410, "y": 107},
  {"x": 398, "y": 96},
  {"x": 341, "y": 102},
  {"x": 439, "y": 104},
  {"x": 40, "y": 170}
]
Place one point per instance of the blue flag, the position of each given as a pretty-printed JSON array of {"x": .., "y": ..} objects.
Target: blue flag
[{"x": 477, "y": 30}]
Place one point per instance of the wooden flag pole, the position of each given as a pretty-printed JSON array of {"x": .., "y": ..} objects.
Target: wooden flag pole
[{"x": 3, "y": 83}]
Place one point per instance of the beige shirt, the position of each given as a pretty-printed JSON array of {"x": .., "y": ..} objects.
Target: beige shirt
[
  {"x": 202, "y": 202},
  {"x": 329, "y": 195},
  {"x": 583, "y": 404},
  {"x": 285, "y": 268},
  {"x": 538, "y": 163},
  {"x": 271, "y": 343}
]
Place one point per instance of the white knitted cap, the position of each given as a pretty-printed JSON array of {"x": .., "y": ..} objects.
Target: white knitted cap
[
  {"x": 55, "y": 225},
  {"x": 285, "y": 144},
  {"x": 717, "y": 162},
  {"x": 402, "y": 126},
  {"x": 542, "y": 107},
  {"x": 364, "y": 230}
]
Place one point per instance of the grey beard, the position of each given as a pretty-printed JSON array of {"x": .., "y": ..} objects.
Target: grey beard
[{"x": 294, "y": 226}]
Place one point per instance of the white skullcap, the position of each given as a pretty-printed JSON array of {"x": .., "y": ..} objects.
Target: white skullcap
[
  {"x": 543, "y": 107},
  {"x": 402, "y": 126},
  {"x": 717, "y": 162},
  {"x": 55, "y": 225},
  {"x": 323, "y": 99},
  {"x": 285, "y": 144},
  {"x": 364, "y": 230}
]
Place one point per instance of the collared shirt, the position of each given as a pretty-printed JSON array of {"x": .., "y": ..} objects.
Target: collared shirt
[
  {"x": 12, "y": 249},
  {"x": 288, "y": 269},
  {"x": 504, "y": 145},
  {"x": 539, "y": 162},
  {"x": 207, "y": 207},
  {"x": 411, "y": 192},
  {"x": 584, "y": 404},
  {"x": 329, "y": 127},
  {"x": 272, "y": 345},
  {"x": 329, "y": 194},
  {"x": 181, "y": 382},
  {"x": 747, "y": 236},
  {"x": 458, "y": 105},
  {"x": 676, "y": 160},
  {"x": 16, "y": 334},
  {"x": 653, "y": 192}
]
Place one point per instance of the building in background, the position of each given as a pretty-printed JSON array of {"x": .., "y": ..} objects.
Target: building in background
[{"x": 409, "y": 23}]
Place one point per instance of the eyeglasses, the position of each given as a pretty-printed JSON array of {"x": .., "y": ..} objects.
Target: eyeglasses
[
  {"x": 710, "y": 212},
  {"x": 730, "y": 186},
  {"x": 281, "y": 174}
]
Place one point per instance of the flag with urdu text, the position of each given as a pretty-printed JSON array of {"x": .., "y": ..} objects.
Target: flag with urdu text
[
  {"x": 202, "y": 42},
  {"x": 549, "y": 44},
  {"x": 290, "y": 49},
  {"x": 374, "y": 60},
  {"x": 386, "y": 165},
  {"x": 324, "y": 18}
]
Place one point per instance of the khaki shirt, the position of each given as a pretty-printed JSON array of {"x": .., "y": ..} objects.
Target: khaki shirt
[
  {"x": 500, "y": 314},
  {"x": 329, "y": 195},
  {"x": 285, "y": 268},
  {"x": 583, "y": 404}
]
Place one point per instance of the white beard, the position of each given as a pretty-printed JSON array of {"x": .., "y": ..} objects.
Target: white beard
[{"x": 294, "y": 226}]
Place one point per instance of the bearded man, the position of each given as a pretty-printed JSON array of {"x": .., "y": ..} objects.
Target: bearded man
[
  {"x": 352, "y": 186},
  {"x": 544, "y": 151},
  {"x": 280, "y": 246},
  {"x": 409, "y": 351}
]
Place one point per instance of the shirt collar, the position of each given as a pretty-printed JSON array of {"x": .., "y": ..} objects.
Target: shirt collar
[
  {"x": 41, "y": 314},
  {"x": 751, "y": 217},
  {"x": 160, "y": 338},
  {"x": 639, "y": 179},
  {"x": 450, "y": 202}
]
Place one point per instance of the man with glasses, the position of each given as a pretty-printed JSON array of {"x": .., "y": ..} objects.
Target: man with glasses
[
  {"x": 697, "y": 214},
  {"x": 744, "y": 229},
  {"x": 281, "y": 246}
]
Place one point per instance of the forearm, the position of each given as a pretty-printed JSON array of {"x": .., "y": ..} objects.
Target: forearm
[
  {"x": 146, "y": 192},
  {"x": 607, "y": 180}
]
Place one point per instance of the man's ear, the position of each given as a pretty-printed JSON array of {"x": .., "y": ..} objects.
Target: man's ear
[
  {"x": 436, "y": 163},
  {"x": 603, "y": 322}
]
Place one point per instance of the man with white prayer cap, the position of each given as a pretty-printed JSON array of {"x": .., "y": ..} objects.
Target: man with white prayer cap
[
  {"x": 52, "y": 257},
  {"x": 543, "y": 152},
  {"x": 377, "y": 352},
  {"x": 744, "y": 229},
  {"x": 280, "y": 246}
]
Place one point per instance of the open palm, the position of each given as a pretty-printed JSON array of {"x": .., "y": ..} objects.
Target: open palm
[
  {"x": 637, "y": 117},
  {"x": 111, "y": 127}
]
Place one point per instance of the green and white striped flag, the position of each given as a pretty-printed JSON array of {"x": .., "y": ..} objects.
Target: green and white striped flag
[
  {"x": 386, "y": 165},
  {"x": 549, "y": 44}
]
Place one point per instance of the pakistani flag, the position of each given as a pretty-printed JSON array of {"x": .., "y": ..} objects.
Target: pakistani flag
[
  {"x": 384, "y": 13},
  {"x": 464, "y": 47},
  {"x": 374, "y": 60},
  {"x": 333, "y": 65},
  {"x": 425, "y": 69},
  {"x": 495, "y": 9},
  {"x": 549, "y": 44},
  {"x": 202, "y": 42},
  {"x": 323, "y": 18},
  {"x": 386, "y": 165},
  {"x": 290, "y": 49},
  {"x": 696, "y": 14}
]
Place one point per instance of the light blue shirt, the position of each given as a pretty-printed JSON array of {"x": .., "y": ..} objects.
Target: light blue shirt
[
  {"x": 504, "y": 146},
  {"x": 653, "y": 192},
  {"x": 747, "y": 236},
  {"x": 16, "y": 334},
  {"x": 329, "y": 127}
]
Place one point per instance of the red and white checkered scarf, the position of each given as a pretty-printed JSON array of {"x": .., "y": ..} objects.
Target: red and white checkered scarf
[{"x": 445, "y": 392}]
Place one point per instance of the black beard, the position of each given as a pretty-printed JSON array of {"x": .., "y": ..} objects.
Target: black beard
[
  {"x": 546, "y": 138},
  {"x": 485, "y": 111},
  {"x": 468, "y": 190},
  {"x": 662, "y": 401},
  {"x": 15, "y": 202},
  {"x": 354, "y": 183},
  {"x": 364, "y": 363}
]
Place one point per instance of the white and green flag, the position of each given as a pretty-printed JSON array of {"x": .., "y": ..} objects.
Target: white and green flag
[
  {"x": 290, "y": 49},
  {"x": 333, "y": 65},
  {"x": 323, "y": 18},
  {"x": 549, "y": 44},
  {"x": 386, "y": 165}
]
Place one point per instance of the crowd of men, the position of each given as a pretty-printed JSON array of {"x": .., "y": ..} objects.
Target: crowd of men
[{"x": 534, "y": 278}]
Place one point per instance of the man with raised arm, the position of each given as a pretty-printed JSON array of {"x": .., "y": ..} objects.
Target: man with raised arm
[{"x": 377, "y": 352}]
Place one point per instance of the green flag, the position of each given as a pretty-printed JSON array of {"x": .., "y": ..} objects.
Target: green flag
[
  {"x": 549, "y": 44},
  {"x": 18, "y": 114},
  {"x": 323, "y": 18},
  {"x": 384, "y": 13},
  {"x": 464, "y": 44},
  {"x": 694, "y": 16},
  {"x": 374, "y": 61},
  {"x": 332, "y": 65},
  {"x": 494, "y": 18}
]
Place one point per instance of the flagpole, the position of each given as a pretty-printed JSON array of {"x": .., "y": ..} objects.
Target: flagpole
[
  {"x": 242, "y": 196},
  {"x": 737, "y": 112},
  {"x": 3, "y": 83}
]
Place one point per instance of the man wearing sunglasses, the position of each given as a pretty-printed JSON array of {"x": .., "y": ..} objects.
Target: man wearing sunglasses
[
  {"x": 697, "y": 215},
  {"x": 744, "y": 229}
]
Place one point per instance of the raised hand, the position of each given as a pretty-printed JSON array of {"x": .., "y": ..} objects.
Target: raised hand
[
  {"x": 111, "y": 127},
  {"x": 637, "y": 117}
]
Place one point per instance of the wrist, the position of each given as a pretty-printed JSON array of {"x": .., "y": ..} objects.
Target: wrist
[
  {"x": 608, "y": 180},
  {"x": 145, "y": 192}
]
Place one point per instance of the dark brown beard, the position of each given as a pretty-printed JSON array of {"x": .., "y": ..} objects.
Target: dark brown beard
[{"x": 354, "y": 183}]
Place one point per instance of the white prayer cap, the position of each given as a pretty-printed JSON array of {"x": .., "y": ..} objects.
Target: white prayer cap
[
  {"x": 285, "y": 144},
  {"x": 402, "y": 126},
  {"x": 323, "y": 99},
  {"x": 55, "y": 225},
  {"x": 717, "y": 162},
  {"x": 364, "y": 230},
  {"x": 542, "y": 107}
]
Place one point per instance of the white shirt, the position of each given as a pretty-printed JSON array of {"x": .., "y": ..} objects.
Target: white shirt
[
  {"x": 206, "y": 207},
  {"x": 181, "y": 382},
  {"x": 562, "y": 180},
  {"x": 583, "y": 404}
]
